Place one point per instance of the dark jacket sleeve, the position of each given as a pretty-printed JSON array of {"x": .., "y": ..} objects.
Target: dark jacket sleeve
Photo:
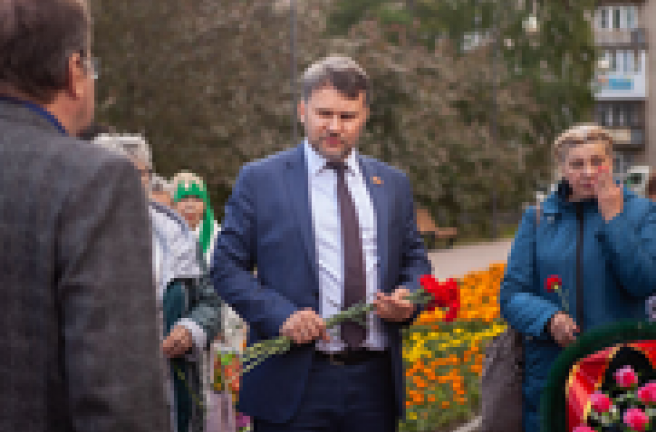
[
  {"x": 261, "y": 307},
  {"x": 521, "y": 306},
  {"x": 630, "y": 248},
  {"x": 107, "y": 305},
  {"x": 206, "y": 308}
]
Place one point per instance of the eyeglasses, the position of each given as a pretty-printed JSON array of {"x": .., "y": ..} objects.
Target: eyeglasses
[{"x": 92, "y": 64}]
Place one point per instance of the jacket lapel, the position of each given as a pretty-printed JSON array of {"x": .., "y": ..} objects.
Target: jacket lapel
[
  {"x": 380, "y": 200},
  {"x": 296, "y": 178}
]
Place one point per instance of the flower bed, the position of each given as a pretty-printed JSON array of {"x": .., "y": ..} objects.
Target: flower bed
[{"x": 444, "y": 360}]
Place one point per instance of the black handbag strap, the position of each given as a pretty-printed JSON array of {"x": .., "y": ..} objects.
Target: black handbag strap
[{"x": 579, "y": 266}]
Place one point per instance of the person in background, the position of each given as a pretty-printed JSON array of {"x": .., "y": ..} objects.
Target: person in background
[
  {"x": 191, "y": 200},
  {"x": 592, "y": 238},
  {"x": 78, "y": 317},
  {"x": 650, "y": 189},
  {"x": 161, "y": 190},
  {"x": 189, "y": 309}
]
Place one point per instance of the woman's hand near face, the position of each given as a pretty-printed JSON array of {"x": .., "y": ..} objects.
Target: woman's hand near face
[{"x": 609, "y": 194}]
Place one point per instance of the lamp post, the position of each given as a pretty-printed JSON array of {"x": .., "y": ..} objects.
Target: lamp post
[
  {"x": 494, "y": 128},
  {"x": 292, "y": 42}
]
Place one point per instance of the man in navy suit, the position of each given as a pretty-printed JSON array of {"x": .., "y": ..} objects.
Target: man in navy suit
[{"x": 326, "y": 228}]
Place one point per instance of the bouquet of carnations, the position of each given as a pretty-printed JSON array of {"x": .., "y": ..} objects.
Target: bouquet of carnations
[{"x": 431, "y": 294}]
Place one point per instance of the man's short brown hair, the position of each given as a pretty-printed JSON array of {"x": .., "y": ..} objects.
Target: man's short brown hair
[
  {"x": 341, "y": 72},
  {"x": 36, "y": 39}
]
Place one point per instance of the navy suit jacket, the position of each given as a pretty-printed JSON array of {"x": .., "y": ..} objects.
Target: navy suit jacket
[{"x": 268, "y": 227}]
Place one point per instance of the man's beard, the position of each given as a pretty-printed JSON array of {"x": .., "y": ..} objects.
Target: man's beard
[{"x": 343, "y": 154}]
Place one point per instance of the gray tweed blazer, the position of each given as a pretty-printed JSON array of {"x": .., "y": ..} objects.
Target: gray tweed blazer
[{"x": 79, "y": 344}]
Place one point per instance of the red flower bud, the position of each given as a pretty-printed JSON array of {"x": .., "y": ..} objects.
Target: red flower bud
[
  {"x": 626, "y": 377},
  {"x": 600, "y": 402},
  {"x": 636, "y": 419}
]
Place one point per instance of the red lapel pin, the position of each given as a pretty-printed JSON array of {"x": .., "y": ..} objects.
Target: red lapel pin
[{"x": 377, "y": 180}]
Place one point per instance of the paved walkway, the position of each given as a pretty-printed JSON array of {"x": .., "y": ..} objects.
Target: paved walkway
[{"x": 459, "y": 260}]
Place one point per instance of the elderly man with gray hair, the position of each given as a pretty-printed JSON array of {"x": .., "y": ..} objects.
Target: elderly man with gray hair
[
  {"x": 189, "y": 309},
  {"x": 78, "y": 317}
]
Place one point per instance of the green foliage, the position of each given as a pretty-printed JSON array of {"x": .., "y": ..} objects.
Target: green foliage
[{"x": 533, "y": 85}]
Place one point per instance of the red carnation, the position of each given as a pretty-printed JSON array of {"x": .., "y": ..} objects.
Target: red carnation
[
  {"x": 443, "y": 295},
  {"x": 636, "y": 419},
  {"x": 600, "y": 402},
  {"x": 553, "y": 283}
]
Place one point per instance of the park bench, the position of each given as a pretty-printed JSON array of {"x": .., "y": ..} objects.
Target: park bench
[{"x": 431, "y": 233}]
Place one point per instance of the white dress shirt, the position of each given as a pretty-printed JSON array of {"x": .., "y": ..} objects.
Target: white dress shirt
[{"x": 326, "y": 222}]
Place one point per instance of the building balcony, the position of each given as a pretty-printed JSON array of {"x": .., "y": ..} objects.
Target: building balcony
[
  {"x": 634, "y": 38},
  {"x": 628, "y": 138}
]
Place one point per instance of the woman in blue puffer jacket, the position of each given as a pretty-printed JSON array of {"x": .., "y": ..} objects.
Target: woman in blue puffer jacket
[{"x": 598, "y": 239}]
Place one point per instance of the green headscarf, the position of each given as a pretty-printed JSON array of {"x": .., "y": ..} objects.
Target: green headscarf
[{"x": 196, "y": 188}]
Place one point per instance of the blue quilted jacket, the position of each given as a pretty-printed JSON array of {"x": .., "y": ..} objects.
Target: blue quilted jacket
[{"x": 611, "y": 264}]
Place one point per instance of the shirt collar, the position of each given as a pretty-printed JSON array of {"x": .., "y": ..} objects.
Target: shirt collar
[
  {"x": 316, "y": 163},
  {"x": 39, "y": 110}
]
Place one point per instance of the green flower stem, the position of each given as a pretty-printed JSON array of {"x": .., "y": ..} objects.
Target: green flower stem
[
  {"x": 255, "y": 354},
  {"x": 563, "y": 298}
]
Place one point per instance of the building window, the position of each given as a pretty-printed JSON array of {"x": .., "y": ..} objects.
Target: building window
[
  {"x": 637, "y": 111},
  {"x": 603, "y": 19},
  {"x": 612, "y": 57},
  {"x": 631, "y": 14},
  {"x": 628, "y": 60},
  {"x": 637, "y": 61},
  {"x": 620, "y": 113},
  {"x": 599, "y": 114},
  {"x": 622, "y": 161},
  {"x": 617, "y": 18}
]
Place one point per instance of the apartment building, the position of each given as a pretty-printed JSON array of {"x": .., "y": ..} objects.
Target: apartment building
[{"x": 625, "y": 100}]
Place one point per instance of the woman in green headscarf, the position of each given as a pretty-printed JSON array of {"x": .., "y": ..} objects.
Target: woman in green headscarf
[{"x": 191, "y": 200}]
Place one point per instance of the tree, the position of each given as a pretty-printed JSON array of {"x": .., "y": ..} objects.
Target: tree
[
  {"x": 209, "y": 86},
  {"x": 550, "y": 71},
  {"x": 207, "y": 82}
]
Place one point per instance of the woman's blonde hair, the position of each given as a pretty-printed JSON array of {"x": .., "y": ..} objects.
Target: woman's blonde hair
[{"x": 581, "y": 134}]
